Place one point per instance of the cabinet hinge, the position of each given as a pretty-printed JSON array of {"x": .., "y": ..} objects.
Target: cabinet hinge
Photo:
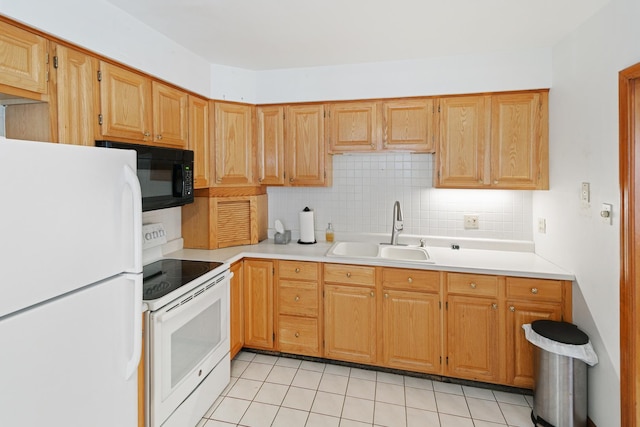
[
  {"x": 447, "y": 360},
  {"x": 438, "y": 108},
  {"x": 284, "y": 116},
  {"x": 55, "y": 61},
  {"x": 46, "y": 58},
  {"x": 46, "y": 76},
  {"x": 273, "y": 271},
  {"x": 325, "y": 174},
  {"x": 446, "y": 305},
  {"x": 440, "y": 305},
  {"x": 100, "y": 119},
  {"x": 99, "y": 75},
  {"x": 274, "y": 336},
  {"x": 441, "y": 360}
]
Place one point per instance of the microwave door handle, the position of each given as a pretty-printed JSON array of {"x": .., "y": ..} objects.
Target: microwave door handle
[{"x": 178, "y": 181}]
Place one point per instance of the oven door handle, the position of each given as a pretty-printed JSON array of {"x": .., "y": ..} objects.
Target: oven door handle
[{"x": 190, "y": 302}]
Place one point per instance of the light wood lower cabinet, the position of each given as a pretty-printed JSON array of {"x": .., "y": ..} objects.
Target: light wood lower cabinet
[
  {"x": 258, "y": 303},
  {"x": 236, "y": 310},
  {"x": 299, "y": 316},
  {"x": 350, "y": 313},
  {"x": 411, "y": 337}
]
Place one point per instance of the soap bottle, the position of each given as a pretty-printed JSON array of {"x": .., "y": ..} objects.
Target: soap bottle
[{"x": 329, "y": 233}]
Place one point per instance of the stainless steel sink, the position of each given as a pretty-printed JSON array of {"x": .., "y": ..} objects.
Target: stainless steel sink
[{"x": 379, "y": 251}]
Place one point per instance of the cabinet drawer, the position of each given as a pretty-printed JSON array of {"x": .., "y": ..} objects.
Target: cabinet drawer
[
  {"x": 298, "y": 298},
  {"x": 352, "y": 274},
  {"x": 472, "y": 284},
  {"x": 396, "y": 278},
  {"x": 298, "y": 335},
  {"x": 298, "y": 270},
  {"x": 534, "y": 289}
]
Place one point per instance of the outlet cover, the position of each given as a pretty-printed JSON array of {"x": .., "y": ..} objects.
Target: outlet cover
[
  {"x": 542, "y": 226},
  {"x": 471, "y": 222}
]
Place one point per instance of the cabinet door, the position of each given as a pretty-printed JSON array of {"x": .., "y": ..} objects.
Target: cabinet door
[
  {"x": 76, "y": 92},
  {"x": 270, "y": 141},
  {"x": 519, "y": 350},
  {"x": 408, "y": 125},
  {"x": 353, "y": 126},
  {"x": 125, "y": 104},
  {"x": 169, "y": 116},
  {"x": 519, "y": 141},
  {"x": 350, "y": 323},
  {"x": 199, "y": 140},
  {"x": 472, "y": 338},
  {"x": 23, "y": 63},
  {"x": 305, "y": 145},
  {"x": 233, "y": 144},
  {"x": 236, "y": 312},
  {"x": 463, "y": 157},
  {"x": 411, "y": 331},
  {"x": 258, "y": 303}
]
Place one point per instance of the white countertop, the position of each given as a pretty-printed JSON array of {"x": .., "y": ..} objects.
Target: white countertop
[{"x": 481, "y": 261}]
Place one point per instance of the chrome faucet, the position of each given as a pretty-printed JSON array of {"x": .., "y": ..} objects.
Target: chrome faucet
[{"x": 398, "y": 226}]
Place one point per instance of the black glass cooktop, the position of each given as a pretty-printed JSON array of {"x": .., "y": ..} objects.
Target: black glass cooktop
[{"x": 167, "y": 275}]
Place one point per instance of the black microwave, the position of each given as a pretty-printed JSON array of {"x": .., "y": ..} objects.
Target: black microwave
[{"x": 165, "y": 174}]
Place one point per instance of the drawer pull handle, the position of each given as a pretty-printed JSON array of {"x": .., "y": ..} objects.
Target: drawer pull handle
[
  {"x": 297, "y": 270},
  {"x": 297, "y": 298},
  {"x": 371, "y": 293},
  {"x": 534, "y": 290},
  {"x": 297, "y": 334},
  {"x": 494, "y": 306},
  {"x": 512, "y": 308},
  {"x": 473, "y": 285},
  {"x": 410, "y": 280},
  {"x": 348, "y": 274}
]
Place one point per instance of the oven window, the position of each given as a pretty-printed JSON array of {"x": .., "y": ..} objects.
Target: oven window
[{"x": 194, "y": 340}]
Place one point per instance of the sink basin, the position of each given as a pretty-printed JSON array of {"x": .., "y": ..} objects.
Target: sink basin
[
  {"x": 379, "y": 251},
  {"x": 404, "y": 253},
  {"x": 354, "y": 249}
]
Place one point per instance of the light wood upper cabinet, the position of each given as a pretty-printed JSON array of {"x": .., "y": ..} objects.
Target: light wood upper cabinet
[
  {"x": 258, "y": 303},
  {"x": 409, "y": 124},
  {"x": 170, "y": 125},
  {"x": 306, "y": 153},
  {"x": 494, "y": 141},
  {"x": 519, "y": 141},
  {"x": 270, "y": 144},
  {"x": 353, "y": 126},
  {"x": 125, "y": 104},
  {"x": 74, "y": 77},
  {"x": 23, "y": 60},
  {"x": 463, "y": 148},
  {"x": 233, "y": 142},
  {"x": 199, "y": 140}
]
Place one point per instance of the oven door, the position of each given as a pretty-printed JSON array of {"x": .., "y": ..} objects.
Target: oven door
[{"x": 188, "y": 338}]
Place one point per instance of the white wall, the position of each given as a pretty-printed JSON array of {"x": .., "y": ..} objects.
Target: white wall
[
  {"x": 99, "y": 26},
  {"x": 365, "y": 186},
  {"x": 584, "y": 147}
]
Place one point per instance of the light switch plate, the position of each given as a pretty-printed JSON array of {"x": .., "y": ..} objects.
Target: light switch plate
[
  {"x": 606, "y": 212},
  {"x": 471, "y": 222},
  {"x": 585, "y": 195}
]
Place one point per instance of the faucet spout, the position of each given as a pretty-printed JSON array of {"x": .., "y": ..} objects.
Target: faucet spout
[{"x": 398, "y": 225}]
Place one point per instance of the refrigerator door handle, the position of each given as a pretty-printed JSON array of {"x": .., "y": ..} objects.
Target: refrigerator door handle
[
  {"x": 132, "y": 363},
  {"x": 132, "y": 181}
]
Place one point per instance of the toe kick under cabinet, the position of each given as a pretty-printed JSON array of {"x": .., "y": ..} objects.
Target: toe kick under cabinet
[{"x": 459, "y": 325}]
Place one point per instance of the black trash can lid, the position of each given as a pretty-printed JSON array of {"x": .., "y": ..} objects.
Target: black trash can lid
[{"x": 563, "y": 332}]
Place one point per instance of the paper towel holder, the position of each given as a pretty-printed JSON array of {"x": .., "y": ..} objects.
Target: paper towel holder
[{"x": 300, "y": 241}]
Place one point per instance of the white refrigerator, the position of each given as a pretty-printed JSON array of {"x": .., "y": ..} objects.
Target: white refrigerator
[{"x": 70, "y": 285}]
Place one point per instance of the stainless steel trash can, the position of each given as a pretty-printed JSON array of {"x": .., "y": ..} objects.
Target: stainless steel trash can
[{"x": 560, "y": 390}]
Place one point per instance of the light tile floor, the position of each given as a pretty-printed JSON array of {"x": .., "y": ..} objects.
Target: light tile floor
[{"x": 282, "y": 392}]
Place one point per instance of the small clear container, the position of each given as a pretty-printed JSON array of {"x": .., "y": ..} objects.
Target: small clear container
[{"x": 329, "y": 233}]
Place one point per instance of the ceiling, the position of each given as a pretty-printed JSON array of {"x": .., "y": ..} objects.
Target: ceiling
[{"x": 263, "y": 35}]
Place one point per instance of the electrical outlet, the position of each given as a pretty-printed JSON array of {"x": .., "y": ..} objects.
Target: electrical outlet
[
  {"x": 585, "y": 195},
  {"x": 471, "y": 222},
  {"x": 542, "y": 226}
]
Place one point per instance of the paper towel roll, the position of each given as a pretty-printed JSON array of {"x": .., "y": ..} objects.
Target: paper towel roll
[{"x": 307, "y": 227}]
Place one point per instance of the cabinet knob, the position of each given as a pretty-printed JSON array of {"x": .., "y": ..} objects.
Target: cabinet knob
[
  {"x": 534, "y": 290},
  {"x": 290, "y": 179},
  {"x": 512, "y": 308},
  {"x": 495, "y": 181},
  {"x": 297, "y": 334},
  {"x": 386, "y": 295},
  {"x": 349, "y": 275},
  {"x": 147, "y": 134},
  {"x": 259, "y": 179},
  {"x": 297, "y": 270},
  {"x": 473, "y": 285},
  {"x": 158, "y": 137},
  {"x": 372, "y": 294},
  {"x": 410, "y": 280},
  {"x": 494, "y": 306},
  {"x": 297, "y": 298}
]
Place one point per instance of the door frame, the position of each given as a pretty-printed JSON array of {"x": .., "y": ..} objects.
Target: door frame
[{"x": 629, "y": 151}]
